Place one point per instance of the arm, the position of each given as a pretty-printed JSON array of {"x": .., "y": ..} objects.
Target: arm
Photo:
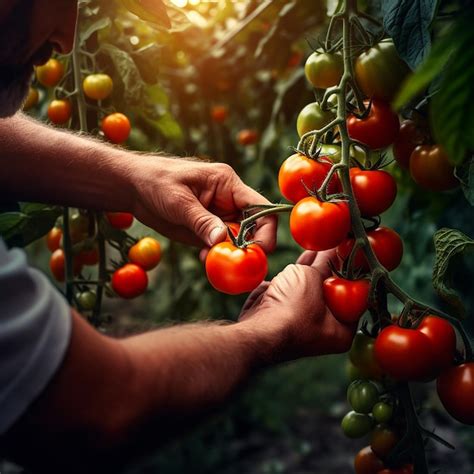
[
  {"x": 186, "y": 200},
  {"x": 111, "y": 393}
]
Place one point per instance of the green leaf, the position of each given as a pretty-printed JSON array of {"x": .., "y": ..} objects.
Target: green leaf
[
  {"x": 449, "y": 245},
  {"x": 149, "y": 10},
  {"x": 408, "y": 23},
  {"x": 87, "y": 31}
]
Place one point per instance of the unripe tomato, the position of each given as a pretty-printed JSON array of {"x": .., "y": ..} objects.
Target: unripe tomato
[
  {"x": 380, "y": 71},
  {"x": 386, "y": 244},
  {"x": 362, "y": 356},
  {"x": 116, "y": 127},
  {"x": 374, "y": 190},
  {"x": 235, "y": 270},
  {"x": 59, "y": 111},
  {"x": 53, "y": 239},
  {"x": 57, "y": 265},
  {"x": 324, "y": 70},
  {"x": 86, "y": 300},
  {"x": 404, "y": 354},
  {"x": 456, "y": 392},
  {"x": 356, "y": 425},
  {"x": 367, "y": 462},
  {"x": 146, "y": 253},
  {"x": 346, "y": 299},
  {"x": 247, "y": 137},
  {"x": 98, "y": 86},
  {"x": 50, "y": 73},
  {"x": 378, "y": 130},
  {"x": 129, "y": 281},
  {"x": 299, "y": 173},
  {"x": 32, "y": 99},
  {"x": 383, "y": 440},
  {"x": 382, "y": 412},
  {"x": 431, "y": 169},
  {"x": 219, "y": 113},
  {"x": 317, "y": 225},
  {"x": 89, "y": 256},
  {"x": 409, "y": 137},
  {"x": 312, "y": 117},
  {"x": 363, "y": 397},
  {"x": 120, "y": 220}
]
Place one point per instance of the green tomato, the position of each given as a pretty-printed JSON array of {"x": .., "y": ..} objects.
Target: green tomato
[
  {"x": 312, "y": 117},
  {"x": 363, "y": 397},
  {"x": 87, "y": 300},
  {"x": 362, "y": 356},
  {"x": 382, "y": 412},
  {"x": 353, "y": 373},
  {"x": 356, "y": 425},
  {"x": 324, "y": 70}
]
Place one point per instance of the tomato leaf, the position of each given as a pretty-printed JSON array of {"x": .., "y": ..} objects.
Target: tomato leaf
[
  {"x": 449, "y": 245},
  {"x": 408, "y": 22},
  {"x": 150, "y": 10}
]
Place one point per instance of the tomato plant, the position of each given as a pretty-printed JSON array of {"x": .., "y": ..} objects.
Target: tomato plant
[
  {"x": 363, "y": 397},
  {"x": 87, "y": 300},
  {"x": 324, "y": 70},
  {"x": 383, "y": 440},
  {"x": 377, "y": 129},
  {"x": 356, "y": 425},
  {"x": 53, "y": 238},
  {"x": 129, "y": 281},
  {"x": 362, "y": 355},
  {"x": 57, "y": 265},
  {"x": 409, "y": 137},
  {"x": 32, "y": 99},
  {"x": 235, "y": 270},
  {"x": 50, "y": 73},
  {"x": 367, "y": 462},
  {"x": 382, "y": 412},
  {"x": 59, "y": 111},
  {"x": 98, "y": 86},
  {"x": 116, "y": 127},
  {"x": 120, "y": 220},
  {"x": 312, "y": 117},
  {"x": 146, "y": 253}
]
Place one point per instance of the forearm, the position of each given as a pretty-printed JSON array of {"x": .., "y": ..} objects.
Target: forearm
[{"x": 43, "y": 164}]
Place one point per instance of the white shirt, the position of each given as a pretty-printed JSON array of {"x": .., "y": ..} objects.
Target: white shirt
[{"x": 35, "y": 328}]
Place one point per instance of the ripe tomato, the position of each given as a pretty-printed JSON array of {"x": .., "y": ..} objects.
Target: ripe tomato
[
  {"x": 146, "y": 253},
  {"x": 86, "y": 300},
  {"x": 363, "y": 397},
  {"x": 53, "y": 239},
  {"x": 89, "y": 256},
  {"x": 456, "y": 392},
  {"x": 299, "y": 171},
  {"x": 32, "y": 99},
  {"x": 362, "y": 356},
  {"x": 98, "y": 86},
  {"x": 443, "y": 340},
  {"x": 219, "y": 113},
  {"x": 247, "y": 137},
  {"x": 380, "y": 71},
  {"x": 57, "y": 265},
  {"x": 119, "y": 220},
  {"x": 312, "y": 117},
  {"x": 367, "y": 462},
  {"x": 386, "y": 244},
  {"x": 50, "y": 73},
  {"x": 235, "y": 270},
  {"x": 430, "y": 168},
  {"x": 378, "y": 130},
  {"x": 382, "y": 412},
  {"x": 116, "y": 127},
  {"x": 383, "y": 440},
  {"x": 404, "y": 354},
  {"x": 317, "y": 225},
  {"x": 346, "y": 299},
  {"x": 374, "y": 190},
  {"x": 356, "y": 425},
  {"x": 129, "y": 281},
  {"x": 59, "y": 111},
  {"x": 324, "y": 70},
  {"x": 409, "y": 137}
]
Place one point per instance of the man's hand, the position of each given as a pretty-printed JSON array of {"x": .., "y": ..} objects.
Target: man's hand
[
  {"x": 291, "y": 309},
  {"x": 190, "y": 200}
]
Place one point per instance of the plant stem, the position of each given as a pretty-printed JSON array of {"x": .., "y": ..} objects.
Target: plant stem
[{"x": 68, "y": 256}]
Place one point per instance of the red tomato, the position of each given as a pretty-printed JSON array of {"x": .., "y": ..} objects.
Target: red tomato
[
  {"x": 367, "y": 462},
  {"x": 89, "y": 256},
  {"x": 374, "y": 190},
  {"x": 146, "y": 253},
  {"x": 317, "y": 225},
  {"x": 443, "y": 340},
  {"x": 235, "y": 270},
  {"x": 456, "y": 392},
  {"x": 53, "y": 239},
  {"x": 120, "y": 220},
  {"x": 386, "y": 244},
  {"x": 116, "y": 127},
  {"x": 404, "y": 354},
  {"x": 409, "y": 137},
  {"x": 50, "y": 73},
  {"x": 57, "y": 265},
  {"x": 378, "y": 130},
  {"x": 299, "y": 171},
  {"x": 347, "y": 299},
  {"x": 247, "y": 137},
  {"x": 59, "y": 111},
  {"x": 219, "y": 113},
  {"x": 129, "y": 281}
]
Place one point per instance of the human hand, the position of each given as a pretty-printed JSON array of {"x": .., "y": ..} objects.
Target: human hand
[
  {"x": 290, "y": 313},
  {"x": 189, "y": 200}
]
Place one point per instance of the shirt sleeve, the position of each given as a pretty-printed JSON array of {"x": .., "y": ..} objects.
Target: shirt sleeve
[{"x": 35, "y": 328}]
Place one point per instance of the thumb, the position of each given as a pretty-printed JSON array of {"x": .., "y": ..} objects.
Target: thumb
[{"x": 208, "y": 227}]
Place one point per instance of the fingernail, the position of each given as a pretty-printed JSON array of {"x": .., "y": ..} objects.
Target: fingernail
[{"x": 215, "y": 234}]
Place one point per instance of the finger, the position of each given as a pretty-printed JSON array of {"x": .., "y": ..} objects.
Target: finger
[
  {"x": 254, "y": 296},
  {"x": 307, "y": 258},
  {"x": 322, "y": 260},
  {"x": 203, "y": 254},
  {"x": 265, "y": 233}
]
